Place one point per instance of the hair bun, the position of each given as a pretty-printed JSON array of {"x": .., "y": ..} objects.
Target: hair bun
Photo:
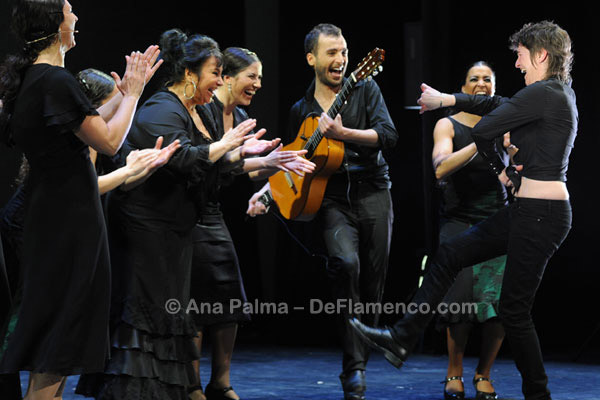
[{"x": 171, "y": 45}]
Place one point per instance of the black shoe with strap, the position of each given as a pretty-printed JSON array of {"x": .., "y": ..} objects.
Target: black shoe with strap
[
  {"x": 483, "y": 395},
  {"x": 213, "y": 393},
  {"x": 453, "y": 395}
]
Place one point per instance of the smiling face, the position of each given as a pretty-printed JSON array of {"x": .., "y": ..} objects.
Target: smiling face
[
  {"x": 67, "y": 28},
  {"x": 245, "y": 84},
  {"x": 330, "y": 60},
  {"x": 534, "y": 67},
  {"x": 208, "y": 82},
  {"x": 480, "y": 80}
]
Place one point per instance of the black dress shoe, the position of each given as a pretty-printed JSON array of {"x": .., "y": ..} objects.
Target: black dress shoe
[
  {"x": 213, "y": 393},
  {"x": 453, "y": 395},
  {"x": 354, "y": 385},
  {"x": 382, "y": 340},
  {"x": 483, "y": 395}
]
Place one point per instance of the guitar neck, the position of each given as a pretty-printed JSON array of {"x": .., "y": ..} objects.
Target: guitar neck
[
  {"x": 333, "y": 111},
  {"x": 342, "y": 96}
]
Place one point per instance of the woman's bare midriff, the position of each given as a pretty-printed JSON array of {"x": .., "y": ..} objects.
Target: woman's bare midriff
[{"x": 548, "y": 190}]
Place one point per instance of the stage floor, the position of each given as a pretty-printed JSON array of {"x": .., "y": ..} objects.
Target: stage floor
[{"x": 277, "y": 373}]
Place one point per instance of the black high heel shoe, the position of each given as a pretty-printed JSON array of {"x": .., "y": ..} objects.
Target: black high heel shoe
[
  {"x": 483, "y": 395},
  {"x": 213, "y": 393},
  {"x": 455, "y": 395}
]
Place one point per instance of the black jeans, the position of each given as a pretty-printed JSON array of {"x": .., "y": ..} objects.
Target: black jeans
[
  {"x": 529, "y": 231},
  {"x": 357, "y": 235}
]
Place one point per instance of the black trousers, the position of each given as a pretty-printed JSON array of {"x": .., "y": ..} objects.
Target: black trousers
[
  {"x": 529, "y": 231},
  {"x": 357, "y": 230}
]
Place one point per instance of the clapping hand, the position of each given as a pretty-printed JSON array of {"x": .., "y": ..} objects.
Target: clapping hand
[
  {"x": 134, "y": 79},
  {"x": 164, "y": 155},
  {"x": 289, "y": 161},
  {"x": 150, "y": 56},
  {"x": 148, "y": 59},
  {"x": 235, "y": 137},
  {"x": 256, "y": 146}
]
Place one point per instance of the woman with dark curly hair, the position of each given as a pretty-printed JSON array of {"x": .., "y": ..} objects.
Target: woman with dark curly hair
[{"x": 150, "y": 228}]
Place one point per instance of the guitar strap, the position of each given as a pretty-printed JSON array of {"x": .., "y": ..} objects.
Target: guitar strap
[{"x": 299, "y": 242}]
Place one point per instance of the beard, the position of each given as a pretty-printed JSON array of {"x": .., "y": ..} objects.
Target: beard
[{"x": 324, "y": 78}]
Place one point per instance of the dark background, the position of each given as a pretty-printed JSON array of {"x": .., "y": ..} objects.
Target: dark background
[{"x": 431, "y": 41}]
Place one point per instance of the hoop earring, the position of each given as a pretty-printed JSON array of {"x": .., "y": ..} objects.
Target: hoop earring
[{"x": 185, "y": 90}]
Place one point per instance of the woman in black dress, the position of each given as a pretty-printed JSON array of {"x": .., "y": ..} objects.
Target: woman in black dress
[
  {"x": 216, "y": 277},
  {"x": 151, "y": 226},
  {"x": 99, "y": 89},
  {"x": 542, "y": 121},
  {"x": 471, "y": 193},
  {"x": 65, "y": 254}
]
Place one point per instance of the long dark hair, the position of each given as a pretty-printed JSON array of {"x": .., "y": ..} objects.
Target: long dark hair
[
  {"x": 36, "y": 24},
  {"x": 181, "y": 52}
]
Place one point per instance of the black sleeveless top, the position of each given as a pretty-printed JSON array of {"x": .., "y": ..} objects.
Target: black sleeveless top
[{"x": 472, "y": 193}]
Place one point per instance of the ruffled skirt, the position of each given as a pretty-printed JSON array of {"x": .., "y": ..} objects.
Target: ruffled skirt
[{"x": 152, "y": 346}]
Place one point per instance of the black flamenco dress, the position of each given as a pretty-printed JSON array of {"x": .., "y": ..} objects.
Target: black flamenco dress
[
  {"x": 471, "y": 195},
  {"x": 62, "y": 325},
  {"x": 150, "y": 233}
]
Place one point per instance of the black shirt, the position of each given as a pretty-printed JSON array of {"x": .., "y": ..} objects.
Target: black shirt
[
  {"x": 542, "y": 120},
  {"x": 167, "y": 198},
  {"x": 365, "y": 109},
  {"x": 221, "y": 174}
]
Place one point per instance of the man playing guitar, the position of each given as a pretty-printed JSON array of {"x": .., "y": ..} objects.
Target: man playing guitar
[{"x": 356, "y": 211}]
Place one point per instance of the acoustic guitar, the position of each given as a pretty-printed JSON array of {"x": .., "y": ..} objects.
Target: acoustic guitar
[{"x": 300, "y": 197}]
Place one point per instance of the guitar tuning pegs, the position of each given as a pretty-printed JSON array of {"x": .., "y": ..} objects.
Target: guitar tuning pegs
[
  {"x": 380, "y": 68},
  {"x": 375, "y": 73}
]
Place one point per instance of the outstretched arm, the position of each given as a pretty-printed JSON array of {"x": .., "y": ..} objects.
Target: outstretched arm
[{"x": 107, "y": 137}]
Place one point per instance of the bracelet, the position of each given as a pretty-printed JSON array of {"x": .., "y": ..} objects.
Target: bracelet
[{"x": 441, "y": 104}]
